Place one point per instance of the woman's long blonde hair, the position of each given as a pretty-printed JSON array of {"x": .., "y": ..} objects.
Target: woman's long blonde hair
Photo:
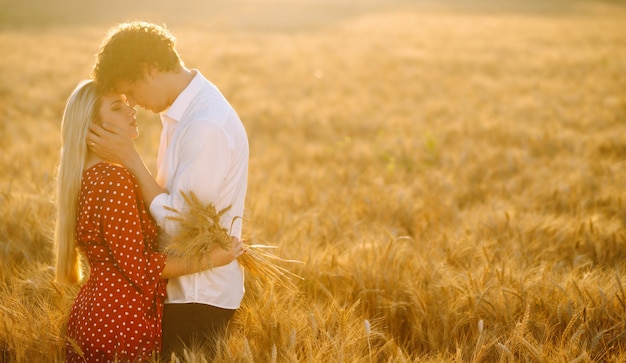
[{"x": 81, "y": 109}]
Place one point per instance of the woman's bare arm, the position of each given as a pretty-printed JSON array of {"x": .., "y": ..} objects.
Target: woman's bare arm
[{"x": 179, "y": 266}]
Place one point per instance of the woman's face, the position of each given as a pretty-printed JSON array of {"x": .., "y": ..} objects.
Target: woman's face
[{"x": 114, "y": 110}]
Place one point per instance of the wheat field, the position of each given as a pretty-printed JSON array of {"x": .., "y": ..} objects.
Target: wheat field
[{"x": 452, "y": 174}]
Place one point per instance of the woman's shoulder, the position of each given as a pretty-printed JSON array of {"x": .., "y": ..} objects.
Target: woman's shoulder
[{"x": 112, "y": 174}]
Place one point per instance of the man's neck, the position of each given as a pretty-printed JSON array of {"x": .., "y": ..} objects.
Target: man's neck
[{"x": 178, "y": 82}]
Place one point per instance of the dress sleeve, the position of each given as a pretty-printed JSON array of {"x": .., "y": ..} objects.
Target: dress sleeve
[{"x": 122, "y": 231}]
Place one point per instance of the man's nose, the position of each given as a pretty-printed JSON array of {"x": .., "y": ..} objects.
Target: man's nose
[{"x": 131, "y": 102}]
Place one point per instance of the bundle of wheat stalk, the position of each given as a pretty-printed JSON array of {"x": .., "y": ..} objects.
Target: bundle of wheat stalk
[{"x": 199, "y": 231}]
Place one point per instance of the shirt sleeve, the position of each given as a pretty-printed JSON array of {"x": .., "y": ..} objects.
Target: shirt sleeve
[
  {"x": 123, "y": 234},
  {"x": 203, "y": 153}
]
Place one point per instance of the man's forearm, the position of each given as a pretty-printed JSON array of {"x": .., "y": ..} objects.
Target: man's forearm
[{"x": 148, "y": 185}]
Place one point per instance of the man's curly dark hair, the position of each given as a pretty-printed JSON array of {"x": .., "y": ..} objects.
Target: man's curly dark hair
[{"x": 129, "y": 50}]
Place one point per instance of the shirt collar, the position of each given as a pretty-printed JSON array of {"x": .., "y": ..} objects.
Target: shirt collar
[{"x": 182, "y": 102}]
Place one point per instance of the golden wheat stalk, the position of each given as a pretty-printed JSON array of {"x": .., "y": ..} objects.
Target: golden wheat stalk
[
  {"x": 200, "y": 231},
  {"x": 76, "y": 347},
  {"x": 262, "y": 265}
]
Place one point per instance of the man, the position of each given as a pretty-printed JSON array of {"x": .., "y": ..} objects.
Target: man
[{"x": 203, "y": 148}]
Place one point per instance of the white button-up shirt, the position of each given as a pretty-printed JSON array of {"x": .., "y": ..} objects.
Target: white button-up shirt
[{"x": 203, "y": 148}]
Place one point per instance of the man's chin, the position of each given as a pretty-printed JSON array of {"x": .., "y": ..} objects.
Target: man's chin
[{"x": 156, "y": 109}]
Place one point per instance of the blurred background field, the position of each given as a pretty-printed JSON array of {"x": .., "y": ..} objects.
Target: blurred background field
[{"x": 452, "y": 173}]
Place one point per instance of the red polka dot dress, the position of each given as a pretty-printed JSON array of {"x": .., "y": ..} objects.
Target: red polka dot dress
[{"x": 117, "y": 313}]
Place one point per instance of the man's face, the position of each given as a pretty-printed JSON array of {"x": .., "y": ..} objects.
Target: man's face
[{"x": 145, "y": 93}]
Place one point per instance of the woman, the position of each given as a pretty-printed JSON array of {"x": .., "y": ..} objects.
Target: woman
[{"x": 117, "y": 313}]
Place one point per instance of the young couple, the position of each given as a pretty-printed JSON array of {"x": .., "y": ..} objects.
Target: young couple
[{"x": 138, "y": 303}]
